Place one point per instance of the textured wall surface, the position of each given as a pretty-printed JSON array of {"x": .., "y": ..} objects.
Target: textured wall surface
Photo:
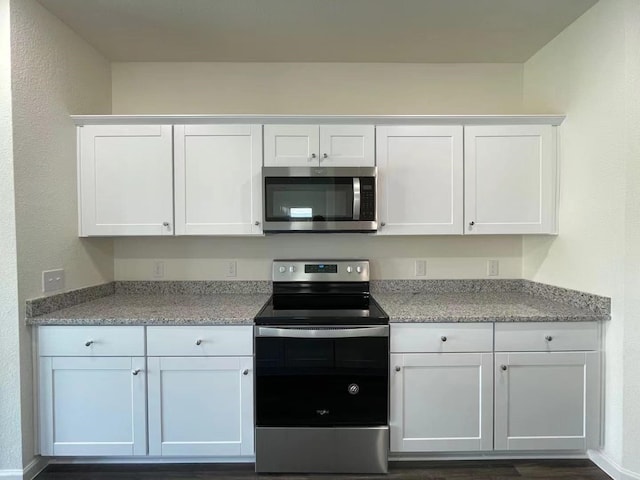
[
  {"x": 317, "y": 88},
  {"x": 10, "y": 451},
  {"x": 54, "y": 74},
  {"x": 284, "y": 88},
  {"x": 391, "y": 258},
  {"x": 631, "y": 439},
  {"x": 585, "y": 72}
]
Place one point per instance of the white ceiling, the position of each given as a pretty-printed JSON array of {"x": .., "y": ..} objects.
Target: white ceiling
[{"x": 318, "y": 30}]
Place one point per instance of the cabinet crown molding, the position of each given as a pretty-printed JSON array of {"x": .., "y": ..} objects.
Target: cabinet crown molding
[{"x": 546, "y": 119}]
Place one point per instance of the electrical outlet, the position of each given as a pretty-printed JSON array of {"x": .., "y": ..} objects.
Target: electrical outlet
[
  {"x": 421, "y": 268},
  {"x": 158, "y": 269},
  {"x": 492, "y": 268},
  {"x": 52, "y": 280},
  {"x": 232, "y": 268}
]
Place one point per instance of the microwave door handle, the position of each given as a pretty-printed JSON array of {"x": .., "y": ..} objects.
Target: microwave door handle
[
  {"x": 382, "y": 331},
  {"x": 356, "y": 198}
]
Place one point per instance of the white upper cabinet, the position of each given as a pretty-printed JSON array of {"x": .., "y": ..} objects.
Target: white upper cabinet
[
  {"x": 218, "y": 180},
  {"x": 324, "y": 146},
  {"x": 125, "y": 175},
  {"x": 510, "y": 179},
  {"x": 420, "y": 180}
]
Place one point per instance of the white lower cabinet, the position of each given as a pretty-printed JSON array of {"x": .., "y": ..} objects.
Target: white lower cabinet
[
  {"x": 200, "y": 391},
  {"x": 200, "y": 406},
  {"x": 92, "y": 406},
  {"x": 547, "y": 399},
  {"x": 441, "y": 400}
]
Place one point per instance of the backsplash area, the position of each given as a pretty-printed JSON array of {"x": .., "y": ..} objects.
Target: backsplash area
[{"x": 242, "y": 258}]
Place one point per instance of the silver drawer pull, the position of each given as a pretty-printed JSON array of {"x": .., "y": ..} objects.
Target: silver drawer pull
[
  {"x": 136, "y": 371},
  {"x": 398, "y": 368},
  {"x": 548, "y": 338},
  {"x": 88, "y": 343},
  {"x": 503, "y": 367},
  {"x": 443, "y": 338},
  {"x": 245, "y": 371},
  {"x": 198, "y": 342}
]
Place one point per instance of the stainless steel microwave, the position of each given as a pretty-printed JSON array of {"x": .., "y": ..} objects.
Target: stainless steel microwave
[{"x": 319, "y": 199}]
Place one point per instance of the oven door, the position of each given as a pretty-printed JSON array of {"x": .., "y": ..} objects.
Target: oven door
[
  {"x": 319, "y": 199},
  {"x": 321, "y": 376}
]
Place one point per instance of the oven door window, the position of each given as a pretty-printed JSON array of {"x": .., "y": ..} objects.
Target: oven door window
[
  {"x": 321, "y": 382},
  {"x": 302, "y": 199}
]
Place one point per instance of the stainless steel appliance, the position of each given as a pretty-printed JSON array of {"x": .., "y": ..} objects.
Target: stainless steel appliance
[
  {"x": 319, "y": 199},
  {"x": 321, "y": 371}
]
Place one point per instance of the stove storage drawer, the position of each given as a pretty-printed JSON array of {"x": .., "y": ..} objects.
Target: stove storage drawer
[
  {"x": 441, "y": 337},
  {"x": 199, "y": 341}
]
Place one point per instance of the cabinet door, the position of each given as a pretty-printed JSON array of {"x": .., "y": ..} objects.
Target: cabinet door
[
  {"x": 200, "y": 406},
  {"x": 347, "y": 146},
  {"x": 546, "y": 401},
  {"x": 218, "y": 179},
  {"x": 510, "y": 179},
  {"x": 92, "y": 406},
  {"x": 441, "y": 402},
  {"x": 291, "y": 146},
  {"x": 420, "y": 180},
  {"x": 125, "y": 175}
]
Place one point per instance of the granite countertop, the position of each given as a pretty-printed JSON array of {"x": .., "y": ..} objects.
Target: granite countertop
[
  {"x": 159, "y": 309},
  {"x": 237, "y": 303},
  {"x": 480, "y": 307}
]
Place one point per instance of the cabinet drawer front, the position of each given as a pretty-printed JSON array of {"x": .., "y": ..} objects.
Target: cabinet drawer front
[
  {"x": 90, "y": 341},
  {"x": 442, "y": 337},
  {"x": 546, "y": 336},
  {"x": 200, "y": 341}
]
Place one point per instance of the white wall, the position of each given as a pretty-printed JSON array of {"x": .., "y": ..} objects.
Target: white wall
[
  {"x": 54, "y": 73},
  {"x": 316, "y": 88},
  {"x": 10, "y": 451},
  {"x": 584, "y": 72},
  {"x": 325, "y": 88},
  {"x": 631, "y": 415}
]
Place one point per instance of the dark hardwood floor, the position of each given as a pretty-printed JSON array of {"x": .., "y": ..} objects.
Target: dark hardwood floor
[{"x": 437, "y": 470}]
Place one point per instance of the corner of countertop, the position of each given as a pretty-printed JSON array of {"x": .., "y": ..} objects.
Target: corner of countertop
[{"x": 44, "y": 305}]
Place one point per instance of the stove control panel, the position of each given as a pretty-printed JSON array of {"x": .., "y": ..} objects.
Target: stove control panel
[{"x": 320, "y": 271}]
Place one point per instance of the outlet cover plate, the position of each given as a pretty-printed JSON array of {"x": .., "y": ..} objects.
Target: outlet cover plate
[{"x": 52, "y": 280}]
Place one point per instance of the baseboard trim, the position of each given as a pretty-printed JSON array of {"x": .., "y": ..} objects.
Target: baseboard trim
[
  {"x": 611, "y": 467},
  {"x": 34, "y": 467},
  {"x": 489, "y": 455}
]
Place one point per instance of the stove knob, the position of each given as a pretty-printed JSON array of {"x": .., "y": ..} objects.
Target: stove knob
[
  {"x": 292, "y": 269},
  {"x": 359, "y": 269},
  {"x": 349, "y": 269},
  {"x": 282, "y": 269}
]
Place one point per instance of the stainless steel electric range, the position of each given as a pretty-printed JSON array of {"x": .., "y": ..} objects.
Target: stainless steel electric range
[{"x": 321, "y": 371}]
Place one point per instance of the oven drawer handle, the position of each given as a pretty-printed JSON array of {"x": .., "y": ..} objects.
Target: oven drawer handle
[{"x": 382, "y": 331}]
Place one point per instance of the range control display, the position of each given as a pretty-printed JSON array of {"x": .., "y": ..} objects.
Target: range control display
[{"x": 321, "y": 268}]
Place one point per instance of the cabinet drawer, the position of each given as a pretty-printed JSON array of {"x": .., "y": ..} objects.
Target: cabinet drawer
[
  {"x": 200, "y": 341},
  {"x": 442, "y": 337},
  {"x": 546, "y": 336},
  {"x": 90, "y": 341}
]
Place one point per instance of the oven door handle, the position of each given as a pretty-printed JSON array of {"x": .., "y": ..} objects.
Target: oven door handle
[{"x": 382, "y": 331}]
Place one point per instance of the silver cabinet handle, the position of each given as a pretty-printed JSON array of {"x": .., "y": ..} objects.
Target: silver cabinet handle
[
  {"x": 313, "y": 155},
  {"x": 471, "y": 224},
  {"x": 548, "y": 338},
  {"x": 382, "y": 224},
  {"x": 503, "y": 367},
  {"x": 198, "y": 342},
  {"x": 398, "y": 368},
  {"x": 443, "y": 338},
  {"x": 136, "y": 371},
  {"x": 166, "y": 224},
  {"x": 256, "y": 223},
  {"x": 245, "y": 371},
  {"x": 324, "y": 155},
  {"x": 88, "y": 343}
]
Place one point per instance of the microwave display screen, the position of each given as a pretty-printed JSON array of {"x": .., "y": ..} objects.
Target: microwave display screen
[{"x": 308, "y": 199}]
